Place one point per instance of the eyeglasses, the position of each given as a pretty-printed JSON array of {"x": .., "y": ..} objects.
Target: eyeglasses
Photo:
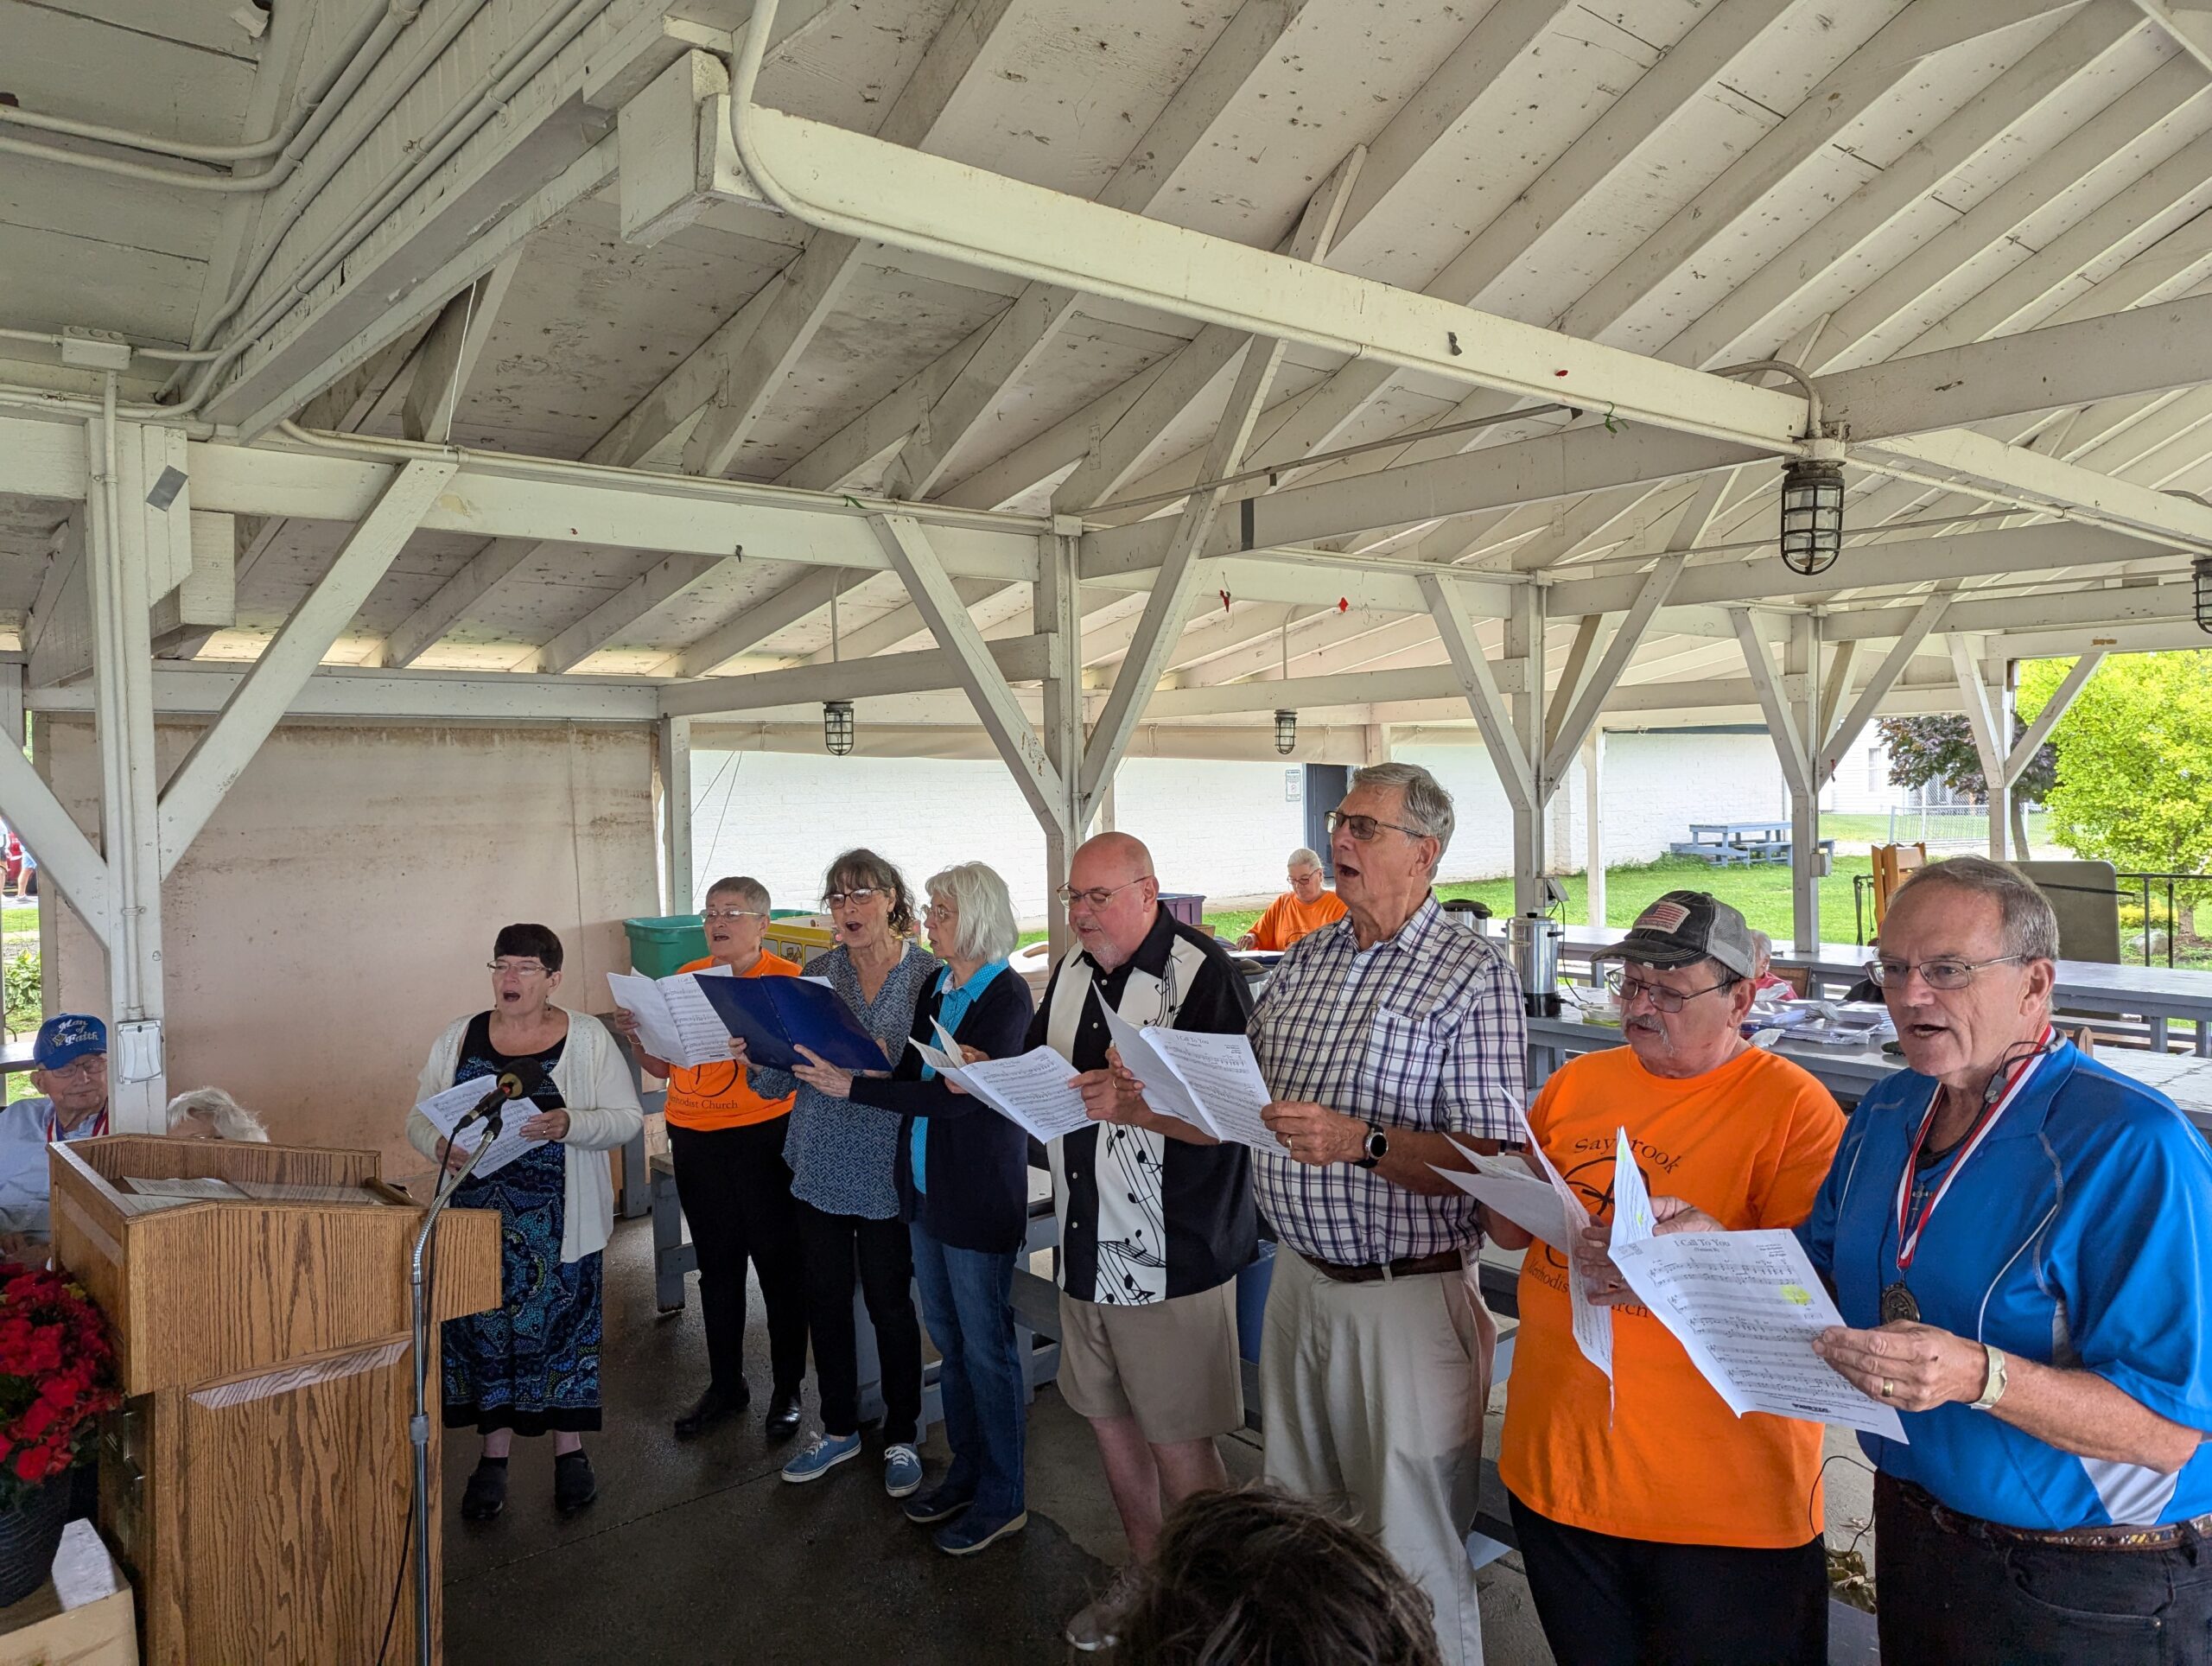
[
  {"x": 519, "y": 967},
  {"x": 1943, "y": 973},
  {"x": 1367, "y": 829},
  {"x": 734, "y": 913},
  {"x": 80, "y": 1069},
  {"x": 1666, "y": 1001},
  {"x": 939, "y": 911},
  {"x": 858, "y": 895},
  {"x": 1097, "y": 896}
]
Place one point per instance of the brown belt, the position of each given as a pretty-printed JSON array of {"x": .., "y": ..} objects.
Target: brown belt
[
  {"x": 1445, "y": 1260},
  {"x": 2165, "y": 1537}
]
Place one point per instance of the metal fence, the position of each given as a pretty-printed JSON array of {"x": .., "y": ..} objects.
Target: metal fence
[
  {"x": 1943, "y": 827},
  {"x": 2157, "y": 901}
]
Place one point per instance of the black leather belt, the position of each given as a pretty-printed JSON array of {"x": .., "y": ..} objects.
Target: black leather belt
[
  {"x": 1446, "y": 1261},
  {"x": 2163, "y": 1538}
]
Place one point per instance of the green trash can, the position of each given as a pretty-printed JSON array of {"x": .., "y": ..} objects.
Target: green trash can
[{"x": 661, "y": 944}]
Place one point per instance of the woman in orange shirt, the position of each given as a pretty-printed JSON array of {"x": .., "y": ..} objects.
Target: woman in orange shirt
[
  {"x": 727, "y": 1145},
  {"x": 1300, "y": 912}
]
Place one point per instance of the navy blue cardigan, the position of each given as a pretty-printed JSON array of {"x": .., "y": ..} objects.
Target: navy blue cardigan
[{"x": 978, "y": 1193}]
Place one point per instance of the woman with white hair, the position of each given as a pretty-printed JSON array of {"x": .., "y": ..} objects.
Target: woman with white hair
[
  {"x": 1300, "y": 912},
  {"x": 963, "y": 1190},
  {"x": 212, "y": 1114}
]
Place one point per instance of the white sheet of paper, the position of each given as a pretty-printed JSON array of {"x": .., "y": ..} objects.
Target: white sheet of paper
[
  {"x": 1031, "y": 1090},
  {"x": 676, "y": 1024},
  {"x": 446, "y": 1109},
  {"x": 1745, "y": 1307},
  {"x": 1163, "y": 1088},
  {"x": 1632, "y": 1221},
  {"x": 1594, "y": 1324},
  {"x": 289, "y": 1192},
  {"x": 205, "y": 1187},
  {"x": 1515, "y": 1191},
  {"x": 1223, "y": 1080}
]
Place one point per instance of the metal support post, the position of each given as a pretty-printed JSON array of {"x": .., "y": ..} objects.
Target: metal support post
[
  {"x": 677, "y": 873},
  {"x": 123, "y": 695}
]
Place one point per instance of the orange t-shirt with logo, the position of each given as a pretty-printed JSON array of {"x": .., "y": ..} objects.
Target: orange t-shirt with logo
[
  {"x": 1288, "y": 920},
  {"x": 1750, "y": 1144},
  {"x": 709, "y": 1096}
]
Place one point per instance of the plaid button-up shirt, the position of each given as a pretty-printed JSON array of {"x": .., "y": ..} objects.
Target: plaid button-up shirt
[{"x": 1422, "y": 1030}]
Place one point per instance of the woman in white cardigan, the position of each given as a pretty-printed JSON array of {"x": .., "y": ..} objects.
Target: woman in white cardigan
[{"x": 531, "y": 1367}]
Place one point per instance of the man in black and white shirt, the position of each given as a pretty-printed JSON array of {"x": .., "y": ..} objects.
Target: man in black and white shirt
[{"x": 1155, "y": 1220}]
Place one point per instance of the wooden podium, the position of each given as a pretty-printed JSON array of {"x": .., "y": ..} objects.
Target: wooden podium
[{"x": 257, "y": 1483}]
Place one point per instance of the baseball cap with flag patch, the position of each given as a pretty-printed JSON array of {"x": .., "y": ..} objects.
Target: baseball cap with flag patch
[{"x": 1683, "y": 927}]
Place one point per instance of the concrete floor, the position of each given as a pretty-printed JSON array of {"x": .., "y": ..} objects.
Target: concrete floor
[{"x": 699, "y": 1553}]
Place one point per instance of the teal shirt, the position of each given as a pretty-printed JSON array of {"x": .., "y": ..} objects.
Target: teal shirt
[{"x": 951, "y": 1008}]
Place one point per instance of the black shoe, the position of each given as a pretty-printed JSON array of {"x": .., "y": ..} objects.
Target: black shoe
[
  {"x": 784, "y": 1417},
  {"x": 710, "y": 1408},
  {"x": 940, "y": 1503},
  {"x": 486, "y": 1495},
  {"x": 573, "y": 1484}
]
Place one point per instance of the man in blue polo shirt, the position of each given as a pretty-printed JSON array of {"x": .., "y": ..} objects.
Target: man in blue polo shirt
[
  {"x": 69, "y": 1070},
  {"x": 2021, "y": 1242}
]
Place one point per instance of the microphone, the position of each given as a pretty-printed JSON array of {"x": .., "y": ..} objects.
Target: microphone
[{"x": 517, "y": 1081}]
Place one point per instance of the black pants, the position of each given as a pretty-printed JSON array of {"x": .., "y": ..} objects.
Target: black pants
[
  {"x": 1950, "y": 1593},
  {"x": 1606, "y": 1601},
  {"x": 736, "y": 1193},
  {"x": 832, "y": 1246}
]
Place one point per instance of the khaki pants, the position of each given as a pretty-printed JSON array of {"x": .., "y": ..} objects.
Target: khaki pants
[{"x": 1374, "y": 1394}]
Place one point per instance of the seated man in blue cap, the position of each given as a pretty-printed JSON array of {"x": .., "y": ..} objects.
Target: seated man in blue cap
[{"x": 70, "y": 1073}]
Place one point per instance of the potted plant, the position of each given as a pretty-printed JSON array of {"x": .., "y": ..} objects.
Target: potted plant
[{"x": 57, "y": 1376}]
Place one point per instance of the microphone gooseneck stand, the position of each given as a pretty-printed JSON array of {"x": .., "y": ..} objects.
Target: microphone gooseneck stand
[{"x": 418, "y": 1427}]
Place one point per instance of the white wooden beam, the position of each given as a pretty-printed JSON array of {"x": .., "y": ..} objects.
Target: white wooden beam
[
  {"x": 759, "y": 620},
  {"x": 1626, "y": 640},
  {"x": 1477, "y": 685},
  {"x": 1587, "y": 629},
  {"x": 498, "y": 697},
  {"x": 1991, "y": 747},
  {"x": 66, "y": 859},
  {"x": 662, "y": 582},
  {"x": 1003, "y": 720},
  {"x": 448, "y": 353},
  {"x": 672, "y": 767},
  {"x": 444, "y": 607},
  {"x": 1019, "y": 660},
  {"x": 227, "y": 745},
  {"x": 2038, "y": 731},
  {"x": 1789, "y": 742},
  {"x": 1839, "y": 738}
]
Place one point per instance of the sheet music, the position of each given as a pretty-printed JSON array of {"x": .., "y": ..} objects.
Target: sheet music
[
  {"x": 1745, "y": 1307},
  {"x": 676, "y": 1022},
  {"x": 289, "y": 1192},
  {"x": 446, "y": 1109},
  {"x": 1163, "y": 1088},
  {"x": 1632, "y": 1221},
  {"x": 207, "y": 1187},
  {"x": 1031, "y": 1090},
  {"x": 1515, "y": 1191},
  {"x": 1594, "y": 1324},
  {"x": 1223, "y": 1080}
]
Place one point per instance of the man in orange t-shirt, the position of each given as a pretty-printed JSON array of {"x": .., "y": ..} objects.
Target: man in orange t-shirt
[
  {"x": 1300, "y": 912},
  {"x": 1656, "y": 1524},
  {"x": 727, "y": 1143}
]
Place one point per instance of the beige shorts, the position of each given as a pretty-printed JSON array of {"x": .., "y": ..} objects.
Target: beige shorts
[{"x": 1173, "y": 1365}]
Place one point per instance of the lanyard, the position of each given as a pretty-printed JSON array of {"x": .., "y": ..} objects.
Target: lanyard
[
  {"x": 1908, "y": 1231},
  {"x": 54, "y": 1126}
]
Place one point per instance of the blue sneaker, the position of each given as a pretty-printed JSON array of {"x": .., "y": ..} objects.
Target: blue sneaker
[
  {"x": 973, "y": 1530},
  {"x": 823, "y": 1453},
  {"x": 902, "y": 1471},
  {"x": 941, "y": 1502}
]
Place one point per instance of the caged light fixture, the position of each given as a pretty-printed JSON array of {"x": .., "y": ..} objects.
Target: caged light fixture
[
  {"x": 836, "y": 714},
  {"x": 1286, "y": 719}
]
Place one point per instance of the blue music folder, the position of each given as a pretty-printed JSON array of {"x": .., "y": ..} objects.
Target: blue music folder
[{"x": 776, "y": 1016}]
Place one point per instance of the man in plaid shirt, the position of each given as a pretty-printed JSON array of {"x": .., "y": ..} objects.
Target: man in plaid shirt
[{"x": 1382, "y": 1037}]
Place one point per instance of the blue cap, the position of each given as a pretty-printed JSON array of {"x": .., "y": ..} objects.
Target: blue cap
[{"x": 67, "y": 1036}]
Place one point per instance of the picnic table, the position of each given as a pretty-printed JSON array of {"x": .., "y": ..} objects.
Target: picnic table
[{"x": 1725, "y": 843}]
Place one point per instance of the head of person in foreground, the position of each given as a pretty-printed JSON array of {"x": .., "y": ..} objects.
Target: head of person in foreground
[
  {"x": 1255, "y": 1577},
  {"x": 1111, "y": 896},
  {"x": 1967, "y": 959},
  {"x": 1386, "y": 838},
  {"x": 1684, "y": 984},
  {"x": 212, "y": 1114}
]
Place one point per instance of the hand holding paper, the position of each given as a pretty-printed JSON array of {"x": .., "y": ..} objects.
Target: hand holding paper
[
  {"x": 446, "y": 1110},
  {"x": 1510, "y": 1187}
]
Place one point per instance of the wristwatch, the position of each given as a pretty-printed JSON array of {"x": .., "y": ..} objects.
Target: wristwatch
[
  {"x": 1992, "y": 1386},
  {"x": 1377, "y": 1145}
]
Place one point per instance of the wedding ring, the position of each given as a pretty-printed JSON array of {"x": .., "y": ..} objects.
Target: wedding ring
[{"x": 1887, "y": 1387}]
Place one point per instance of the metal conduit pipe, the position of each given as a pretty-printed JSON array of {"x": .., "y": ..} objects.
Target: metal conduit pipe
[{"x": 310, "y": 117}]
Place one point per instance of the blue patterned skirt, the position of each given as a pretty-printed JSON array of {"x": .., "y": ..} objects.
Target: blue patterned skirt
[{"x": 531, "y": 1365}]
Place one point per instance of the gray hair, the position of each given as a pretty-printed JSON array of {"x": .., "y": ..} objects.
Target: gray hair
[
  {"x": 2028, "y": 923},
  {"x": 1302, "y": 855},
  {"x": 1429, "y": 806},
  {"x": 988, "y": 928},
  {"x": 750, "y": 891},
  {"x": 1762, "y": 948},
  {"x": 229, "y": 1119}
]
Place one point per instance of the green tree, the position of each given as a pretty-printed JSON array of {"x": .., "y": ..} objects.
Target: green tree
[
  {"x": 2135, "y": 760},
  {"x": 1942, "y": 749}
]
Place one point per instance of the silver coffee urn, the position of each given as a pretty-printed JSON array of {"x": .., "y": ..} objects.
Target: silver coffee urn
[{"x": 1533, "y": 942}]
